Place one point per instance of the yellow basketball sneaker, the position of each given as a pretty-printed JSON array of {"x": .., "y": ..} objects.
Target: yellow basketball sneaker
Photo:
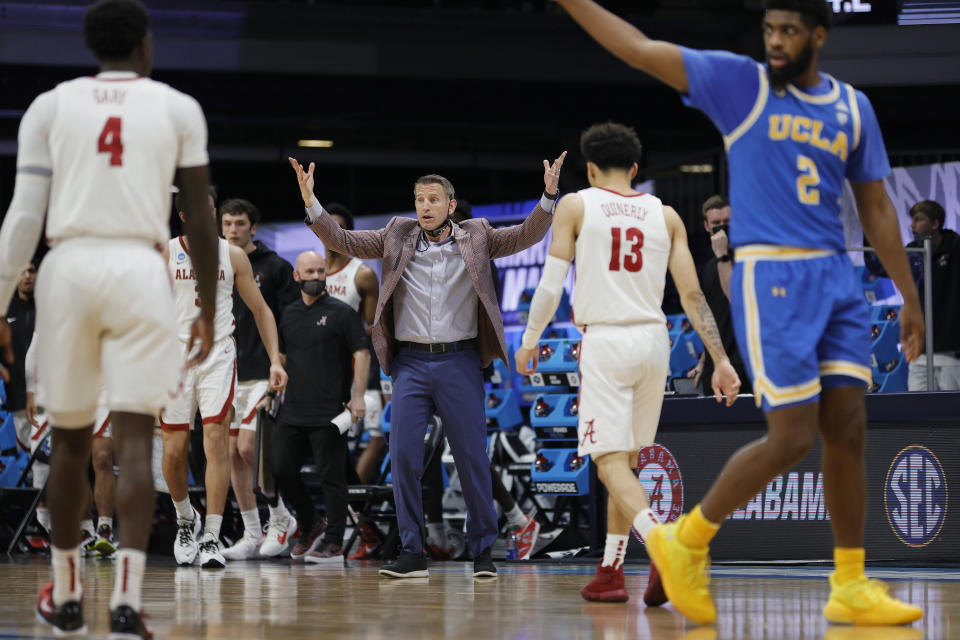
[
  {"x": 685, "y": 572},
  {"x": 866, "y": 602}
]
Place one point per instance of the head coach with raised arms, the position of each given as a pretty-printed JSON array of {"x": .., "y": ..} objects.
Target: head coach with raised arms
[{"x": 437, "y": 325}]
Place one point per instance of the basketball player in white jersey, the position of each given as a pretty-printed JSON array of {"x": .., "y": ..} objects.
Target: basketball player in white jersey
[
  {"x": 98, "y": 155},
  {"x": 624, "y": 242},
  {"x": 353, "y": 282},
  {"x": 211, "y": 386}
]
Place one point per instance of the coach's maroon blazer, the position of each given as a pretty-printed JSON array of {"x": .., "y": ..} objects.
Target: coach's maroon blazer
[{"x": 478, "y": 243}]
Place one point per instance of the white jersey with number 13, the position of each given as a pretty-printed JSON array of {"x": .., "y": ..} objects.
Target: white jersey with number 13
[{"x": 622, "y": 252}]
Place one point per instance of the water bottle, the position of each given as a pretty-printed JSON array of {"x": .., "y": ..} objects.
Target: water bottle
[{"x": 512, "y": 546}]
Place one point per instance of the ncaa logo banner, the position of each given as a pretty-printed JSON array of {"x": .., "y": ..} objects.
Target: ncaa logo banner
[
  {"x": 915, "y": 496},
  {"x": 659, "y": 473}
]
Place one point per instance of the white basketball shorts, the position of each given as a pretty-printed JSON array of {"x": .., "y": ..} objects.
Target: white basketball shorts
[
  {"x": 211, "y": 386},
  {"x": 249, "y": 394},
  {"x": 106, "y": 316},
  {"x": 623, "y": 371}
]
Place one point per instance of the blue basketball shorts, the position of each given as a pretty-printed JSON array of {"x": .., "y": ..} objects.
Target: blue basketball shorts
[{"x": 801, "y": 322}]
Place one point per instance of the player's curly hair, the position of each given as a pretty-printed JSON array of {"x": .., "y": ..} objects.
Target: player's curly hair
[
  {"x": 815, "y": 12},
  {"x": 112, "y": 29},
  {"x": 610, "y": 145}
]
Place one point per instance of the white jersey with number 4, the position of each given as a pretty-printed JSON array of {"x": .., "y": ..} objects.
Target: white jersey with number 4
[
  {"x": 185, "y": 290},
  {"x": 622, "y": 253},
  {"x": 113, "y": 142}
]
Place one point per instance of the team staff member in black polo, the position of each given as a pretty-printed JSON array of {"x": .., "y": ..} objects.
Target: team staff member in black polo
[{"x": 325, "y": 348}]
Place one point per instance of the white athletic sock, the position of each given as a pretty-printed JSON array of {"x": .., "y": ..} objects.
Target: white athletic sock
[
  {"x": 43, "y": 517},
  {"x": 128, "y": 578},
  {"x": 101, "y": 521},
  {"x": 614, "y": 550},
  {"x": 212, "y": 525},
  {"x": 66, "y": 575},
  {"x": 643, "y": 522},
  {"x": 437, "y": 534},
  {"x": 87, "y": 525},
  {"x": 279, "y": 510},
  {"x": 184, "y": 509},
  {"x": 251, "y": 522},
  {"x": 516, "y": 517}
]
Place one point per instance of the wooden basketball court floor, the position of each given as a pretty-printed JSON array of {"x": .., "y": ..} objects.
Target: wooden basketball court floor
[{"x": 278, "y": 599}]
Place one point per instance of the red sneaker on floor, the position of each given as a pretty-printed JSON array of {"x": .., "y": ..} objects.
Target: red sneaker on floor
[
  {"x": 527, "y": 538},
  {"x": 606, "y": 586},
  {"x": 370, "y": 542},
  {"x": 654, "y": 596}
]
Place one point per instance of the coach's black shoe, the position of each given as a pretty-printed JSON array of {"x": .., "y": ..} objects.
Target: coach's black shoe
[
  {"x": 127, "y": 624},
  {"x": 483, "y": 566},
  {"x": 66, "y": 620},
  {"x": 407, "y": 565}
]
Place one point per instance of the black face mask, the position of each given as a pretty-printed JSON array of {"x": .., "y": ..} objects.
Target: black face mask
[
  {"x": 436, "y": 233},
  {"x": 720, "y": 227},
  {"x": 313, "y": 287}
]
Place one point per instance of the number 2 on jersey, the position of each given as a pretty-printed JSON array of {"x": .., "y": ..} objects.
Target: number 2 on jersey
[
  {"x": 807, "y": 181},
  {"x": 111, "y": 142},
  {"x": 633, "y": 261}
]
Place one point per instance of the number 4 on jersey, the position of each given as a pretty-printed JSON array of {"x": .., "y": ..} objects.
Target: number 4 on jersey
[{"x": 110, "y": 141}]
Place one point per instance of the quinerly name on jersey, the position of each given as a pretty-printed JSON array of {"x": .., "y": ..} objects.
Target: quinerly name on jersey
[
  {"x": 627, "y": 209},
  {"x": 187, "y": 274},
  {"x": 799, "y": 498}
]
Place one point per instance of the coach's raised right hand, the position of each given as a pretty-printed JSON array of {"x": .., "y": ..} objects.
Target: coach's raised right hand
[
  {"x": 201, "y": 336},
  {"x": 305, "y": 178}
]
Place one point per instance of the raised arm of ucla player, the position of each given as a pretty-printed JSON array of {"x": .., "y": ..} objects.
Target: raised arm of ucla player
[
  {"x": 567, "y": 221},
  {"x": 23, "y": 223},
  {"x": 662, "y": 60},
  {"x": 725, "y": 379},
  {"x": 266, "y": 323},
  {"x": 879, "y": 221}
]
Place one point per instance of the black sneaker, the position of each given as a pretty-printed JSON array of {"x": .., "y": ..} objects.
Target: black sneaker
[
  {"x": 407, "y": 565},
  {"x": 66, "y": 620},
  {"x": 483, "y": 566},
  {"x": 125, "y": 623}
]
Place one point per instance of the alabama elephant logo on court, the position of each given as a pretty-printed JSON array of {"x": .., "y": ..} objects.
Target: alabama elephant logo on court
[
  {"x": 660, "y": 475},
  {"x": 915, "y": 496}
]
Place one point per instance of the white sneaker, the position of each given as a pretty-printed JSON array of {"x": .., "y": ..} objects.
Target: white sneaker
[
  {"x": 247, "y": 547},
  {"x": 185, "y": 547},
  {"x": 210, "y": 556},
  {"x": 280, "y": 532}
]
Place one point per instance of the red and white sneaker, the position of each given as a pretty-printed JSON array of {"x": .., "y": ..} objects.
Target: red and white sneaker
[
  {"x": 369, "y": 543},
  {"x": 527, "y": 538},
  {"x": 279, "y": 537},
  {"x": 66, "y": 620},
  {"x": 654, "y": 596},
  {"x": 606, "y": 586}
]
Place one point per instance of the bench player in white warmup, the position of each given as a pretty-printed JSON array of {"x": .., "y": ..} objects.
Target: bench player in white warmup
[
  {"x": 98, "y": 155},
  {"x": 211, "y": 385},
  {"x": 624, "y": 242}
]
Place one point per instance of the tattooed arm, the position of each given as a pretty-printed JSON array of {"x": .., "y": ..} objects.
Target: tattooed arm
[{"x": 725, "y": 380}]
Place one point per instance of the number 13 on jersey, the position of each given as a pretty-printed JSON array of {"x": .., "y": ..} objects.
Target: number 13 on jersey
[{"x": 626, "y": 243}]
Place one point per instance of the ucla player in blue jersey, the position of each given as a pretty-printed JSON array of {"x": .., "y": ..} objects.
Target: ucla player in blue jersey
[{"x": 792, "y": 135}]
